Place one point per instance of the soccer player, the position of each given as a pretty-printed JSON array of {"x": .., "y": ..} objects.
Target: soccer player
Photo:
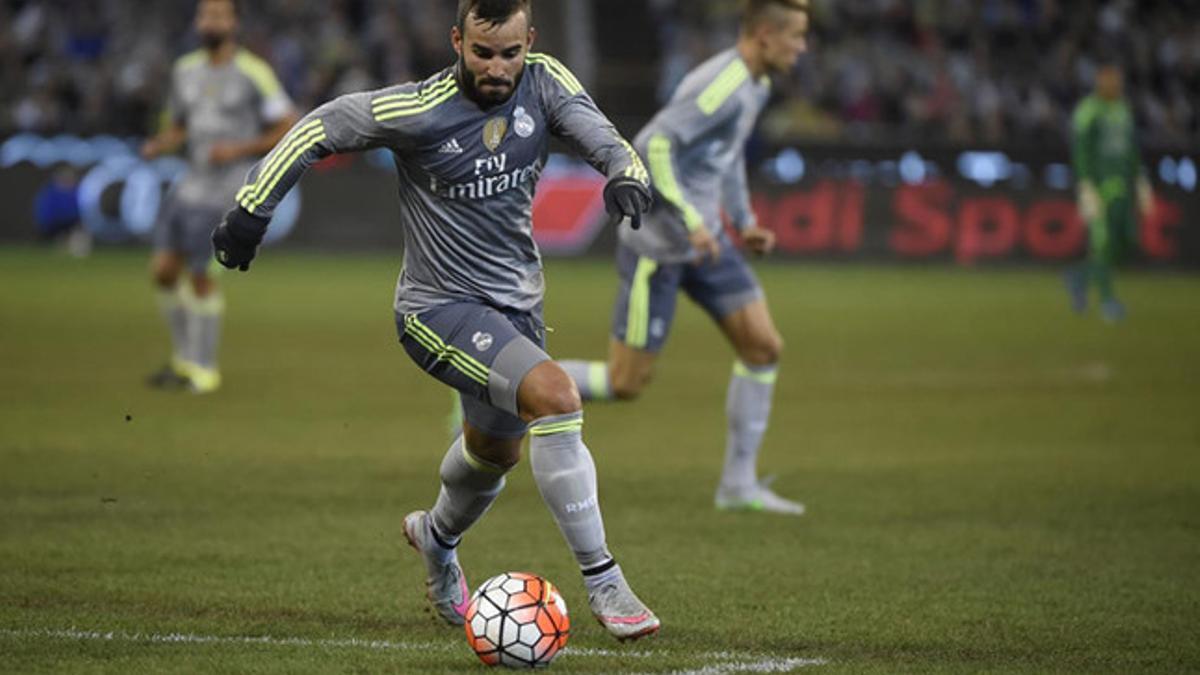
[
  {"x": 695, "y": 148},
  {"x": 469, "y": 145},
  {"x": 228, "y": 108},
  {"x": 1109, "y": 178}
]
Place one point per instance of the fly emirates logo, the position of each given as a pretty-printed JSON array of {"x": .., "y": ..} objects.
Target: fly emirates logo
[{"x": 493, "y": 176}]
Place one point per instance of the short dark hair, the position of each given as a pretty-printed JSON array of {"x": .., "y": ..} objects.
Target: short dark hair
[
  {"x": 494, "y": 12},
  {"x": 237, "y": 5},
  {"x": 754, "y": 10}
]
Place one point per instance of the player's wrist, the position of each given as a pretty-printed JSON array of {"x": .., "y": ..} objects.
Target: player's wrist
[{"x": 245, "y": 227}]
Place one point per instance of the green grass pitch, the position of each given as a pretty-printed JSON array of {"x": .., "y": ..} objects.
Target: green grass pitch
[{"x": 994, "y": 484}]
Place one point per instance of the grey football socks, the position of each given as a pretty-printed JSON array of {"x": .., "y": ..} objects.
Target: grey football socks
[
  {"x": 174, "y": 310},
  {"x": 748, "y": 407},
  {"x": 469, "y": 487},
  {"x": 566, "y": 477},
  {"x": 591, "y": 378},
  {"x": 204, "y": 328}
]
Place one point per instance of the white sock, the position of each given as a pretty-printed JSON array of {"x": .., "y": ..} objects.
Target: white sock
[{"x": 748, "y": 407}]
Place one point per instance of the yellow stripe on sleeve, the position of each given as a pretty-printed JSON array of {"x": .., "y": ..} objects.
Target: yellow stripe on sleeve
[
  {"x": 664, "y": 180},
  {"x": 299, "y": 136},
  {"x": 259, "y": 73},
  {"x": 715, "y": 95},
  {"x": 407, "y": 108},
  {"x": 558, "y": 71}
]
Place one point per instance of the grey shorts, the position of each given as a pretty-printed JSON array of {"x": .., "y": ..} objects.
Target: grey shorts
[
  {"x": 481, "y": 351},
  {"x": 645, "y": 305},
  {"x": 187, "y": 232}
]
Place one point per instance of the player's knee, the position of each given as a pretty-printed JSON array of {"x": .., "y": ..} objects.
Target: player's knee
[
  {"x": 203, "y": 285},
  {"x": 548, "y": 391},
  {"x": 165, "y": 271},
  {"x": 767, "y": 350},
  {"x": 164, "y": 276}
]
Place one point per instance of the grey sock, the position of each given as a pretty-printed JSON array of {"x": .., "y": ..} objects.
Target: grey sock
[
  {"x": 748, "y": 407},
  {"x": 469, "y": 486},
  {"x": 591, "y": 378},
  {"x": 174, "y": 311},
  {"x": 205, "y": 329},
  {"x": 566, "y": 477}
]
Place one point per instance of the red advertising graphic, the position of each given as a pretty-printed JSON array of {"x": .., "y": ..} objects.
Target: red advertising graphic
[{"x": 944, "y": 220}]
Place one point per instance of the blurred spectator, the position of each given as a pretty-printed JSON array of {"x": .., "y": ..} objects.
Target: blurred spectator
[
  {"x": 102, "y": 65},
  {"x": 56, "y": 212},
  {"x": 966, "y": 70},
  {"x": 924, "y": 70}
]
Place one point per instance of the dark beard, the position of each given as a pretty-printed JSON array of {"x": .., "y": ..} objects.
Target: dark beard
[
  {"x": 466, "y": 80},
  {"x": 212, "y": 41}
]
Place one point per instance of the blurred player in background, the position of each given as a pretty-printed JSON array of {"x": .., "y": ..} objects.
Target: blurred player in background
[
  {"x": 469, "y": 145},
  {"x": 227, "y": 107},
  {"x": 696, "y": 151},
  {"x": 1111, "y": 187}
]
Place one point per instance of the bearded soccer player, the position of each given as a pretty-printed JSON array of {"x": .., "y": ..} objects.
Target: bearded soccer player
[
  {"x": 1109, "y": 179},
  {"x": 695, "y": 148},
  {"x": 227, "y": 107},
  {"x": 469, "y": 145}
]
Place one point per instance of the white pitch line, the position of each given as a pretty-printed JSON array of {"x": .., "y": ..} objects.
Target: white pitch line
[
  {"x": 721, "y": 663},
  {"x": 188, "y": 638},
  {"x": 772, "y": 665}
]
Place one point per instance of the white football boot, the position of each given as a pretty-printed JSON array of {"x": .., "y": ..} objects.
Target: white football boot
[
  {"x": 621, "y": 612},
  {"x": 757, "y": 497},
  {"x": 446, "y": 585}
]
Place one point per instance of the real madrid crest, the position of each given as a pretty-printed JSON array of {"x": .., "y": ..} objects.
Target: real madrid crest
[
  {"x": 523, "y": 124},
  {"x": 493, "y": 132}
]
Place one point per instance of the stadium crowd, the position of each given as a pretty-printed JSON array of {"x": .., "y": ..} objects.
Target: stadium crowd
[
  {"x": 103, "y": 65},
  {"x": 962, "y": 70},
  {"x": 967, "y": 70}
]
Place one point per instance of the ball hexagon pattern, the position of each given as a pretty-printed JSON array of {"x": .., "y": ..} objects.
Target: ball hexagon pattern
[{"x": 517, "y": 620}]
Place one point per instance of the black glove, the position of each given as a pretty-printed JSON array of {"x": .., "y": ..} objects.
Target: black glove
[
  {"x": 625, "y": 197},
  {"x": 236, "y": 240}
]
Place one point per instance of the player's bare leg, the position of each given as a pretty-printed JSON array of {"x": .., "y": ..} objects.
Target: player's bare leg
[
  {"x": 759, "y": 346},
  {"x": 622, "y": 377},
  {"x": 630, "y": 370},
  {"x": 566, "y": 477}
]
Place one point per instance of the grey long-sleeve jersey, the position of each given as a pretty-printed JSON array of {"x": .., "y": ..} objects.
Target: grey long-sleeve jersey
[
  {"x": 695, "y": 147},
  {"x": 467, "y": 175}
]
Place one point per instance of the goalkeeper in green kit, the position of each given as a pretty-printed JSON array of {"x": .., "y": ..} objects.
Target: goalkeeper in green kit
[{"x": 1110, "y": 184}]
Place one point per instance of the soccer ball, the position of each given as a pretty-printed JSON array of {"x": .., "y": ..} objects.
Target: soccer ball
[{"x": 517, "y": 620}]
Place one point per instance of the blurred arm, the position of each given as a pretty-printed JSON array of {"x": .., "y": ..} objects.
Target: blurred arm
[
  {"x": 172, "y": 133},
  {"x": 167, "y": 141},
  {"x": 735, "y": 196},
  {"x": 1083, "y": 158}
]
